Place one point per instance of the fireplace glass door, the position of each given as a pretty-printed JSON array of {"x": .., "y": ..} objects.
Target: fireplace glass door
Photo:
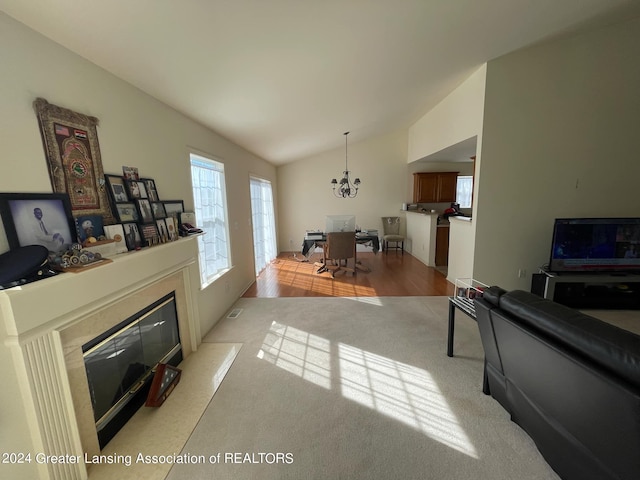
[{"x": 120, "y": 363}]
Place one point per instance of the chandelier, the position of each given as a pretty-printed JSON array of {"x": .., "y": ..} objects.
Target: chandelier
[{"x": 346, "y": 188}]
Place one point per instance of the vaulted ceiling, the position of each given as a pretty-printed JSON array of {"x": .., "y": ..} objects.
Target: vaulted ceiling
[{"x": 285, "y": 78}]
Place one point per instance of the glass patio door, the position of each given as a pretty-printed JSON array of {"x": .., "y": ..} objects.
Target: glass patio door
[{"x": 264, "y": 223}]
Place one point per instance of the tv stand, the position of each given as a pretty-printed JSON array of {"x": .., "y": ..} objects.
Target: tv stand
[{"x": 590, "y": 290}]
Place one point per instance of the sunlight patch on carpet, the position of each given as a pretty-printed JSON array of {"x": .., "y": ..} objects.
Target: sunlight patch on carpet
[
  {"x": 405, "y": 393},
  {"x": 298, "y": 352},
  {"x": 377, "y": 301},
  {"x": 397, "y": 390}
]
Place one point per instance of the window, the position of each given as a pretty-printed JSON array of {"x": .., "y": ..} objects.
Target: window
[
  {"x": 464, "y": 190},
  {"x": 210, "y": 200},
  {"x": 264, "y": 223}
]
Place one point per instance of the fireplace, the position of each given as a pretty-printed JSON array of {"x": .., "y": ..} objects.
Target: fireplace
[
  {"x": 120, "y": 363},
  {"x": 47, "y": 324}
]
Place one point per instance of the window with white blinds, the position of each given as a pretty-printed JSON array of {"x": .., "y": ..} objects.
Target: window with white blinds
[
  {"x": 210, "y": 201},
  {"x": 264, "y": 223},
  {"x": 464, "y": 190}
]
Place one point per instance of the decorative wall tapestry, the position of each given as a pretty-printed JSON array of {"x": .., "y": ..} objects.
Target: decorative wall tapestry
[{"x": 73, "y": 156}]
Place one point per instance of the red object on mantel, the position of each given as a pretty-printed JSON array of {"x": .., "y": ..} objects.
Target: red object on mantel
[{"x": 164, "y": 381}]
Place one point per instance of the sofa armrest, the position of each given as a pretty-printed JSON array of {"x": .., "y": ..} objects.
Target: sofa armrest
[{"x": 492, "y": 295}]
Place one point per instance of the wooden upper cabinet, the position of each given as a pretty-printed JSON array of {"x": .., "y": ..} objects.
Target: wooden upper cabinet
[{"x": 434, "y": 187}]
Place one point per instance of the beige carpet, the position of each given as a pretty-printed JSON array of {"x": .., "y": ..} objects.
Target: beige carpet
[{"x": 327, "y": 388}]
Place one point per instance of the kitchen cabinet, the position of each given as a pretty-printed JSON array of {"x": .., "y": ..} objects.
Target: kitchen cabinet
[
  {"x": 434, "y": 187},
  {"x": 442, "y": 245}
]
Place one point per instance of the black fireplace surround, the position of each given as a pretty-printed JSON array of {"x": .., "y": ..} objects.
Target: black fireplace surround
[
  {"x": 120, "y": 363},
  {"x": 571, "y": 381}
]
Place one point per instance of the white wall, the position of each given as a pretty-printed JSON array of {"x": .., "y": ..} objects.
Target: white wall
[
  {"x": 560, "y": 139},
  {"x": 456, "y": 118},
  {"x": 134, "y": 129},
  {"x": 461, "y": 249},
  {"x": 305, "y": 195}
]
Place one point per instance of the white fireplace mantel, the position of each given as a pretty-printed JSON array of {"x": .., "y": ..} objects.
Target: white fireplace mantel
[{"x": 37, "y": 317}]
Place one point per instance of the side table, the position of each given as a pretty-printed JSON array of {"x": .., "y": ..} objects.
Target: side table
[{"x": 466, "y": 306}]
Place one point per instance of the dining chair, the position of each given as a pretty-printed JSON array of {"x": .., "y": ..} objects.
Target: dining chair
[
  {"x": 391, "y": 229},
  {"x": 339, "y": 248}
]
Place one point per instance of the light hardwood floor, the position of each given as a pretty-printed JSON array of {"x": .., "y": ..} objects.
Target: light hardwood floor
[{"x": 390, "y": 275}]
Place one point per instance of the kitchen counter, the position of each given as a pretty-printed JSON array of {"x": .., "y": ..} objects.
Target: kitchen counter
[
  {"x": 421, "y": 236},
  {"x": 419, "y": 212},
  {"x": 461, "y": 218}
]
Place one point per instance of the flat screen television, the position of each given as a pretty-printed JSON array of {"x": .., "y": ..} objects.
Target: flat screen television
[{"x": 583, "y": 245}]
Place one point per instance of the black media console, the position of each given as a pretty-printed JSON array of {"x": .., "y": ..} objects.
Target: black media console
[{"x": 597, "y": 291}]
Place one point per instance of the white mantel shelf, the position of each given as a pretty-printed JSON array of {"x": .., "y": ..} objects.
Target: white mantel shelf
[{"x": 47, "y": 304}]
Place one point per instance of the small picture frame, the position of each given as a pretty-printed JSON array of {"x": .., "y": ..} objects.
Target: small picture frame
[
  {"x": 38, "y": 219},
  {"x": 173, "y": 207},
  {"x": 152, "y": 191},
  {"x": 149, "y": 233},
  {"x": 130, "y": 173},
  {"x": 188, "y": 217},
  {"x": 172, "y": 227},
  {"x": 163, "y": 231},
  {"x": 132, "y": 236},
  {"x": 144, "y": 209},
  {"x": 158, "y": 210},
  {"x": 89, "y": 226},
  {"x": 127, "y": 212},
  {"x": 136, "y": 189},
  {"x": 117, "y": 188},
  {"x": 116, "y": 233}
]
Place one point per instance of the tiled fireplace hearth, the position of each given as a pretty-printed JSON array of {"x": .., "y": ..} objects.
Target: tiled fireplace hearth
[{"x": 48, "y": 322}]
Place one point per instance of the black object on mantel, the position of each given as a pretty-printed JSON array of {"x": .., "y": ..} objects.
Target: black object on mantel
[{"x": 24, "y": 265}]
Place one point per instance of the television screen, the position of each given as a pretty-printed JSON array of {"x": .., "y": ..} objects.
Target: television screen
[{"x": 595, "y": 244}]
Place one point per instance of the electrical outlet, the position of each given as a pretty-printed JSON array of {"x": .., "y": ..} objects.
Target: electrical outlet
[{"x": 522, "y": 273}]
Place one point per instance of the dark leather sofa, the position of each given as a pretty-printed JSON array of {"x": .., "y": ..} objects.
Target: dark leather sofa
[{"x": 572, "y": 382}]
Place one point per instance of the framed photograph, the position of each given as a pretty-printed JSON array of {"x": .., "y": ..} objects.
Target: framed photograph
[
  {"x": 136, "y": 189},
  {"x": 173, "y": 207},
  {"x": 163, "y": 231},
  {"x": 116, "y": 233},
  {"x": 172, "y": 227},
  {"x": 117, "y": 188},
  {"x": 132, "y": 236},
  {"x": 188, "y": 217},
  {"x": 127, "y": 212},
  {"x": 73, "y": 156},
  {"x": 144, "y": 208},
  {"x": 130, "y": 173},
  {"x": 158, "y": 210},
  {"x": 89, "y": 226},
  {"x": 149, "y": 233},
  {"x": 38, "y": 219},
  {"x": 152, "y": 192}
]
